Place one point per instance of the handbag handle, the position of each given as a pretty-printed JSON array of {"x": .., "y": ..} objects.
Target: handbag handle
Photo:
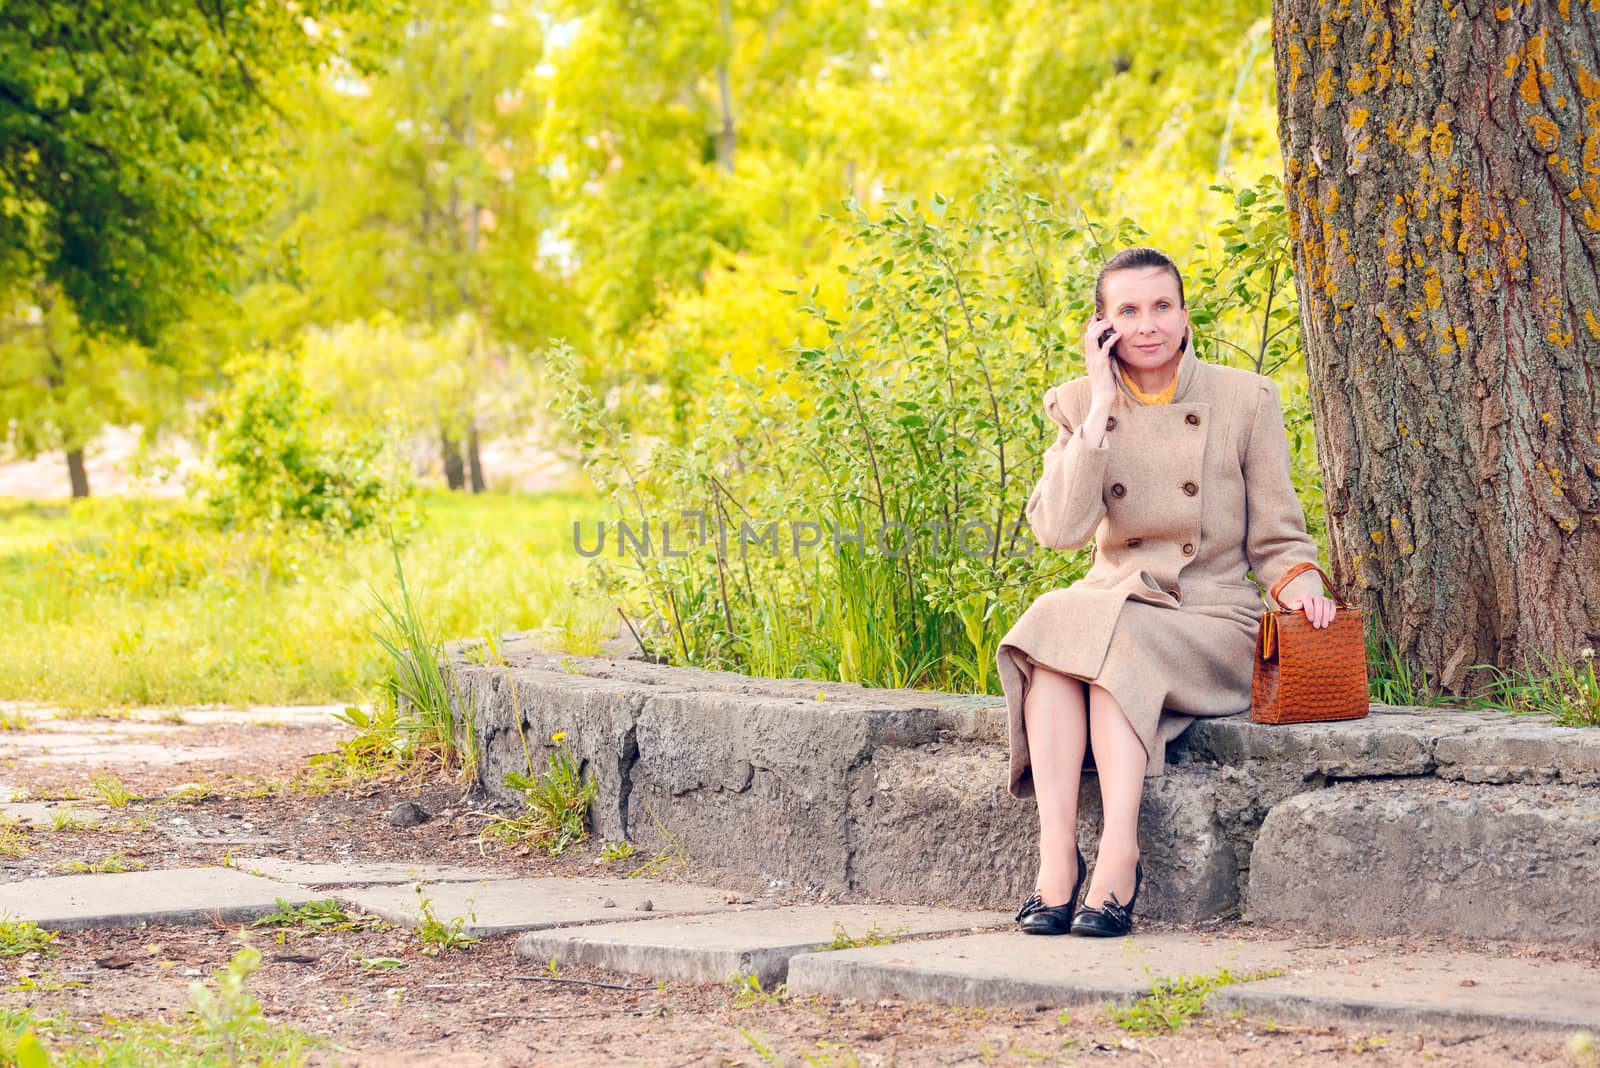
[{"x": 1300, "y": 569}]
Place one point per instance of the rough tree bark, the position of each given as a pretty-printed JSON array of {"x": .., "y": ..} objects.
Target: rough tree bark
[{"x": 1442, "y": 173}]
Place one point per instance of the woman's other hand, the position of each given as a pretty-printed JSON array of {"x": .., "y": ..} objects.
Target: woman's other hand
[
  {"x": 1319, "y": 610},
  {"x": 1098, "y": 359}
]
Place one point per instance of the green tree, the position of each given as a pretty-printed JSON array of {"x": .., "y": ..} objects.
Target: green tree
[
  {"x": 135, "y": 158},
  {"x": 422, "y": 211}
]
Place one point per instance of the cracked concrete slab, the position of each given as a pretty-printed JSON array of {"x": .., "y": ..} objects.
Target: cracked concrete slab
[
  {"x": 710, "y": 949},
  {"x": 358, "y": 874},
  {"x": 499, "y": 906},
  {"x": 176, "y": 895},
  {"x": 1440, "y": 989},
  {"x": 1013, "y": 969},
  {"x": 42, "y": 815}
]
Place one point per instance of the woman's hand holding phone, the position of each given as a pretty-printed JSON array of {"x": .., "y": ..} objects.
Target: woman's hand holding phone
[{"x": 1099, "y": 341}]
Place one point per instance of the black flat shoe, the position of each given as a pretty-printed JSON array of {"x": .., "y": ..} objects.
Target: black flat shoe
[
  {"x": 1111, "y": 920},
  {"x": 1035, "y": 917}
]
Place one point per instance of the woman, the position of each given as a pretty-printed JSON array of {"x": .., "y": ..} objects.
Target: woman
[{"x": 1179, "y": 471}]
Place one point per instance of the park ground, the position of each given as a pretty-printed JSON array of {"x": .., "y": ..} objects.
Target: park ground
[
  {"x": 169, "y": 695},
  {"x": 187, "y": 788}
]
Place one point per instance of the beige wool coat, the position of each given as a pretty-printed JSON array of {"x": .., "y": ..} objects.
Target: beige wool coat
[{"x": 1182, "y": 500}]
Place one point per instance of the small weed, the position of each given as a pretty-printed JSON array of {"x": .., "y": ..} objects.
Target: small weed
[
  {"x": 556, "y": 816},
  {"x": 1368, "y": 1044},
  {"x": 190, "y": 792},
  {"x": 46, "y": 982},
  {"x": 13, "y": 838},
  {"x": 1568, "y": 691},
  {"x": 747, "y": 992},
  {"x": 14, "y": 721},
  {"x": 19, "y": 937},
  {"x": 1582, "y": 1047},
  {"x": 111, "y": 790},
  {"x": 376, "y": 963},
  {"x": 485, "y": 652},
  {"x": 1173, "y": 1002},
  {"x": 612, "y": 852},
  {"x": 672, "y": 853},
  {"x": 65, "y": 819},
  {"x": 872, "y": 937},
  {"x": 326, "y": 915},
  {"x": 115, "y": 864},
  {"x": 436, "y": 935}
]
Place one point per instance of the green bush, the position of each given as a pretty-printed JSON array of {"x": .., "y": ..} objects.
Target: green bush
[{"x": 277, "y": 459}]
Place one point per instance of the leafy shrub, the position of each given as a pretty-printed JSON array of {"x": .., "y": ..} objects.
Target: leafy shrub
[
  {"x": 277, "y": 459},
  {"x": 912, "y": 415}
]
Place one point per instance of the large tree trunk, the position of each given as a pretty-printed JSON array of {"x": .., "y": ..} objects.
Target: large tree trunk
[
  {"x": 1443, "y": 182},
  {"x": 76, "y": 473}
]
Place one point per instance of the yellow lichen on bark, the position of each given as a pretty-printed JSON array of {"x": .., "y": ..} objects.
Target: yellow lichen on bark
[
  {"x": 1592, "y": 323},
  {"x": 1442, "y": 141},
  {"x": 1545, "y": 132}
]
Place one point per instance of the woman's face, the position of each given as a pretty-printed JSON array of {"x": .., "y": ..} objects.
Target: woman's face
[{"x": 1142, "y": 303}]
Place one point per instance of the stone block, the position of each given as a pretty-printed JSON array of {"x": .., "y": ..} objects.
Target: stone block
[
  {"x": 1413, "y": 858},
  {"x": 940, "y": 827}
]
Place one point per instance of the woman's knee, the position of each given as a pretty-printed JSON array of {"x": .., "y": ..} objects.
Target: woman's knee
[{"x": 1052, "y": 689}]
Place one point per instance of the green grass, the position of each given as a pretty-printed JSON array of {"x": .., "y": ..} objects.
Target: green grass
[
  {"x": 20, "y": 937},
  {"x": 1173, "y": 1002},
  {"x": 114, "y": 603},
  {"x": 842, "y": 939},
  {"x": 326, "y": 915},
  {"x": 223, "y": 1025}
]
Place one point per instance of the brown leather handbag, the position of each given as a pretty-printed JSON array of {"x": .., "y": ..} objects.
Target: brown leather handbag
[{"x": 1306, "y": 675}]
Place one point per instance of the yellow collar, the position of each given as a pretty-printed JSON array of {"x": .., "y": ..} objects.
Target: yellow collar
[{"x": 1163, "y": 397}]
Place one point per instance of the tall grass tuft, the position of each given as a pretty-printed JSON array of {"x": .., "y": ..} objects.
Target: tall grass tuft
[{"x": 421, "y": 685}]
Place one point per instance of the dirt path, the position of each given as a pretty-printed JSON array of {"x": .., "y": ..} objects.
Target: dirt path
[{"x": 216, "y": 786}]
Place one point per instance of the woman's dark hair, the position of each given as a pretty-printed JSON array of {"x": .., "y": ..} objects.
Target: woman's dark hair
[{"x": 1132, "y": 259}]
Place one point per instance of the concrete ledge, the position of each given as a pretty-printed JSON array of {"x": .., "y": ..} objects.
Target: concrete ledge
[{"x": 901, "y": 793}]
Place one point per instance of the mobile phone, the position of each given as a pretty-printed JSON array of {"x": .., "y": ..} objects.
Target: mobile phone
[{"x": 1113, "y": 353}]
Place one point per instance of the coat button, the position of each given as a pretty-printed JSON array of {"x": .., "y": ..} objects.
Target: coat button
[
  {"x": 1188, "y": 487},
  {"x": 1192, "y": 419},
  {"x": 1188, "y": 549},
  {"x": 1111, "y": 422},
  {"x": 1134, "y": 543},
  {"x": 1117, "y": 489}
]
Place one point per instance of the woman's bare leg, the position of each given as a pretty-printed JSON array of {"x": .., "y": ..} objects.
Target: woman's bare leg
[
  {"x": 1120, "y": 760},
  {"x": 1057, "y": 723}
]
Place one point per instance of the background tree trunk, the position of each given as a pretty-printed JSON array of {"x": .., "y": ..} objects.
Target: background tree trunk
[
  {"x": 474, "y": 461},
  {"x": 454, "y": 473},
  {"x": 76, "y": 473},
  {"x": 1441, "y": 168}
]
